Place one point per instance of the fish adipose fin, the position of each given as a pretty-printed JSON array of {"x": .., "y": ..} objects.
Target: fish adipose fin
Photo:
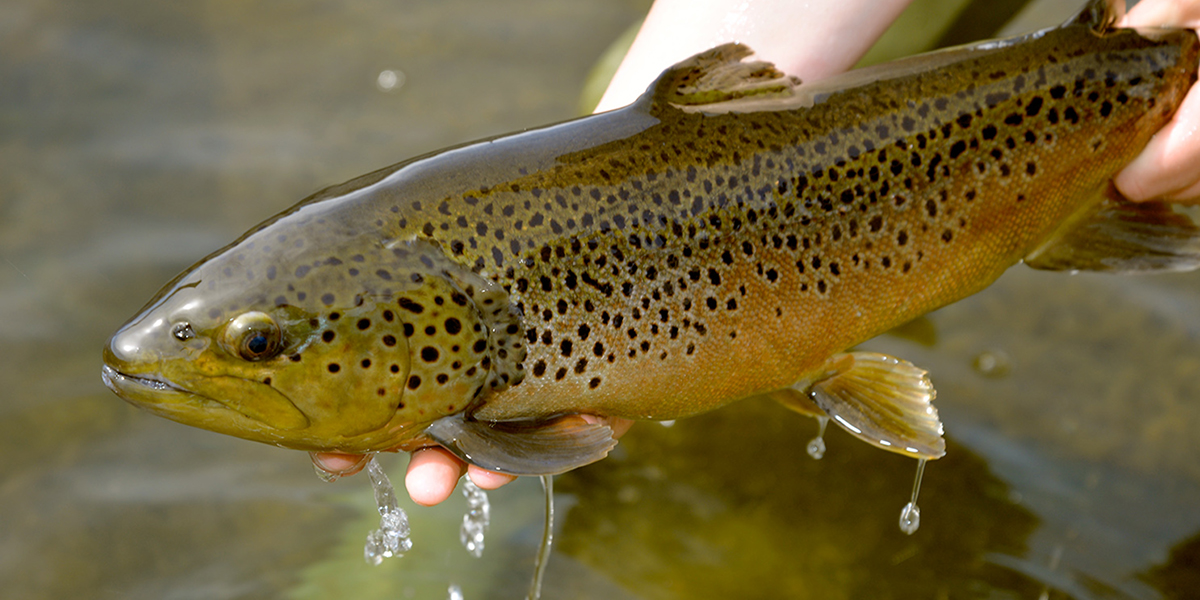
[
  {"x": 719, "y": 75},
  {"x": 518, "y": 448},
  {"x": 1123, "y": 237},
  {"x": 882, "y": 400}
]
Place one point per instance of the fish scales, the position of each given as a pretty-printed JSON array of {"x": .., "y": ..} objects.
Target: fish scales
[
  {"x": 713, "y": 241},
  {"x": 762, "y": 271}
]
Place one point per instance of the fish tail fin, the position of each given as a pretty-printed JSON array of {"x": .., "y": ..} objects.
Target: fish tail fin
[
  {"x": 1116, "y": 235},
  {"x": 880, "y": 399},
  {"x": 1100, "y": 15}
]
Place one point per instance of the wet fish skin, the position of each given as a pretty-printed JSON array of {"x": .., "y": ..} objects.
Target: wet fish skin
[{"x": 728, "y": 235}]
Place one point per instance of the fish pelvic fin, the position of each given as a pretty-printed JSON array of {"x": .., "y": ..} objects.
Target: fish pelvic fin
[
  {"x": 880, "y": 399},
  {"x": 524, "y": 448},
  {"x": 1116, "y": 235},
  {"x": 716, "y": 76},
  {"x": 1100, "y": 15}
]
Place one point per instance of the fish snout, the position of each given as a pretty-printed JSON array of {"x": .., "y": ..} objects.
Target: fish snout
[{"x": 134, "y": 346}]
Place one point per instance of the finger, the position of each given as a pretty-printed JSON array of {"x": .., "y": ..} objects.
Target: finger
[
  {"x": 618, "y": 425},
  {"x": 488, "y": 480},
  {"x": 1191, "y": 194},
  {"x": 1167, "y": 166},
  {"x": 432, "y": 475},
  {"x": 1163, "y": 13},
  {"x": 337, "y": 465}
]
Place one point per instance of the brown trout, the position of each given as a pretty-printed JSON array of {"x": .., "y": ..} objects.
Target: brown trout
[{"x": 733, "y": 233}]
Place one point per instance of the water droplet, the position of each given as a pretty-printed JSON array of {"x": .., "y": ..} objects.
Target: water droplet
[
  {"x": 455, "y": 592},
  {"x": 910, "y": 518},
  {"x": 910, "y": 515},
  {"x": 389, "y": 80},
  {"x": 992, "y": 363},
  {"x": 477, "y": 519},
  {"x": 392, "y": 537},
  {"x": 816, "y": 446},
  {"x": 324, "y": 475}
]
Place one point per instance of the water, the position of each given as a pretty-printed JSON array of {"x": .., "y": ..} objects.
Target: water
[
  {"x": 910, "y": 515},
  {"x": 477, "y": 519},
  {"x": 137, "y": 136},
  {"x": 393, "y": 537}
]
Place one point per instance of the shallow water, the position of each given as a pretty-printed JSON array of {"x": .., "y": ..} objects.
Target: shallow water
[{"x": 137, "y": 136}]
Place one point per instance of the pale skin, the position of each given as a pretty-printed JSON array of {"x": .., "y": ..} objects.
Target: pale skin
[{"x": 811, "y": 40}]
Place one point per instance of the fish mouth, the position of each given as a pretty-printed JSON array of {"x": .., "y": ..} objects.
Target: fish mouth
[
  {"x": 118, "y": 382},
  {"x": 250, "y": 400}
]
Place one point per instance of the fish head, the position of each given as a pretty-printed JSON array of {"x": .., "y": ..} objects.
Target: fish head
[{"x": 304, "y": 343}]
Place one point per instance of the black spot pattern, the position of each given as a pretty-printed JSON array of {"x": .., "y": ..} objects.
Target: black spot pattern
[{"x": 684, "y": 241}]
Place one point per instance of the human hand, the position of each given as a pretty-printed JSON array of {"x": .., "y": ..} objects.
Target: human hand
[
  {"x": 433, "y": 472},
  {"x": 1169, "y": 167}
]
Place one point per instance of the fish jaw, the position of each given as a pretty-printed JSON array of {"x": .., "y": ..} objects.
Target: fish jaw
[{"x": 134, "y": 373}]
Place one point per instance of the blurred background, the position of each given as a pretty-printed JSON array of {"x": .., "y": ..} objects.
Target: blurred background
[{"x": 137, "y": 136}]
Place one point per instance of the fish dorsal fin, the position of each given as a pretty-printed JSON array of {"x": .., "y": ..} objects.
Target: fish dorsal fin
[
  {"x": 880, "y": 399},
  {"x": 1119, "y": 236},
  {"x": 1100, "y": 15},
  {"x": 520, "y": 448},
  {"x": 716, "y": 76}
]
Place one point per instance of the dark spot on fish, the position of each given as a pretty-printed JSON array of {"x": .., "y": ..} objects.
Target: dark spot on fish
[
  {"x": 958, "y": 148},
  {"x": 334, "y": 367},
  {"x": 414, "y": 382},
  {"x": 411, "y": 306},
  {"x": 389, "y": 340}
]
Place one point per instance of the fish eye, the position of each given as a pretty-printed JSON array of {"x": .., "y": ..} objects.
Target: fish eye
[
  {"x": 253, "y": 336},
  {"x": 182, "y": 332}
]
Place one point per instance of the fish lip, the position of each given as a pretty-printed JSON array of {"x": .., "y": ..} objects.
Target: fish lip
[
  {"x": 167, "y": 398},
  {"x": 122, "y": 384},
  {"x": 113, "y": 379}
]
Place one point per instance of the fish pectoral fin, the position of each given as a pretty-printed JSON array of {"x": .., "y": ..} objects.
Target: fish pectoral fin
[
  {"x": 796, "y": 400},
  {"x": 882, "y": 400},
  {"x": 524, "y": 448},
  {"x": 719, "y": 75},
  {"x": 1119, "y": 236}
]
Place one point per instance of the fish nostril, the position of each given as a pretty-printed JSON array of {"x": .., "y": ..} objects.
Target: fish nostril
[{"x": 120, "y": 349}]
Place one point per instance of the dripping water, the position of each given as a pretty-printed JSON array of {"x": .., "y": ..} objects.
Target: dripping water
[
  {"x": 543, "y": 555},
  {"x": 816, "y": 446},
  {"x": 392, "y": 537},
  {"x": 910, "y": 515},
  {"x": 475, "y": 522}
]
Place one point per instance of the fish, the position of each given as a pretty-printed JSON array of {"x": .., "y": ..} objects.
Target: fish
[{"x": 733, "y": 233}]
